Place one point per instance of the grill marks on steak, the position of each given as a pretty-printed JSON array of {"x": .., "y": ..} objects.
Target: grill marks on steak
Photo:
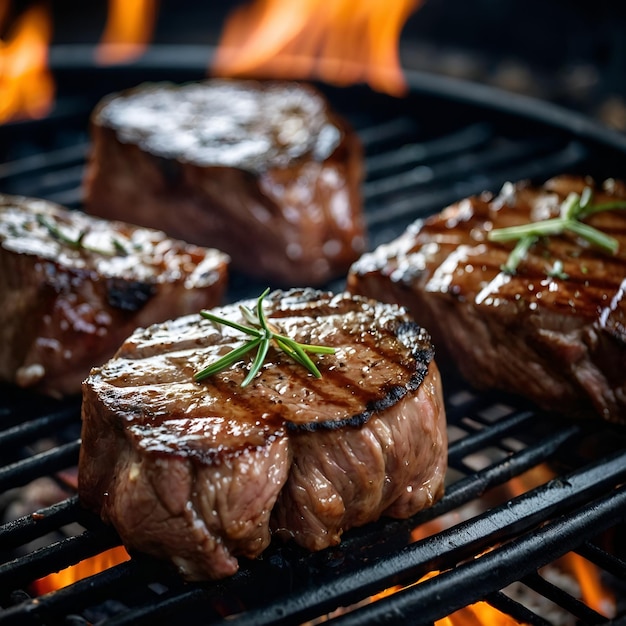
[
  {"x": 263, "y": 170},
  {"x": 68, "y": 306},
  {"x": 308, "y": 458},
  {"x": 560, "y": 342}
]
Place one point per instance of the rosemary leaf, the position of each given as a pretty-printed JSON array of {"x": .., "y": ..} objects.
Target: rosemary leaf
[
  {"x": 616, "y": 205},
  {"x": 295, "y": 351},
  {"x": 317, "y": 349},
  {"x": 228, "y": 359},
  {"x": 255, "y": 332},
  {"x": 259, "y": 311},
  {"x": 570, "y": 207},
  {"x": 120, "y": 247},
  {"x": 518, "y": 253},
  {"x": 261, "y": 353},
  {"x": 554, "y": 226},
  {"x": 594, "y": 236},
  {"x": 585, "y": 200},
  {"x": 248, "y": 315},
  {"x": 58, "y": 234},
  {"x": 289, "y": 352},
  {"x": 556, "y": 271}
]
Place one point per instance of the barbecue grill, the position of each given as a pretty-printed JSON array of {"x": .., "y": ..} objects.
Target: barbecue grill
[{"x": 446, "y": 139}]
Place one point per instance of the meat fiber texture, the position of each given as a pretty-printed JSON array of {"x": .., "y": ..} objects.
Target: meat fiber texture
[
  {"x": 201, "y": 473},
  {"x": 262, "y": 170},
  {"x": 74, "y": 287},
  {"x": 558, "y": 338}
]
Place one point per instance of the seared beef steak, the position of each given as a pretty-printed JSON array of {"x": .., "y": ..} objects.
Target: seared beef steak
[
  {"x": 555, "y": 331},
  {"x": 200, "y": 472},
  {"x": 265, "y": 171},
  {"x": 74, "y": 287}
]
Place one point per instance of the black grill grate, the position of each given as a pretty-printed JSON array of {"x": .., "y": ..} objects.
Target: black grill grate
[{"x": 423, "y": 152}]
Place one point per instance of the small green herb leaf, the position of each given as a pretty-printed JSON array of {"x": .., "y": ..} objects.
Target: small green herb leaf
[{"x": 556, "y": 271}]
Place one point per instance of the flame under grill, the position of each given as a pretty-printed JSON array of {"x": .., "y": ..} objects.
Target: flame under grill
[{"x": 442, "y": 142}]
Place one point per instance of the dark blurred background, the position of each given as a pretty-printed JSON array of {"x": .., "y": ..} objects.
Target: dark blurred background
[{"x": 569, "y": 52}]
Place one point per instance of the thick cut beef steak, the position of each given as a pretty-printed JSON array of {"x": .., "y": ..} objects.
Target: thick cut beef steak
[
  {"x": 262, "y": 170},
  {"x": 554, "y": 331},
  {"x": 74, "y": 287},
  {"x": 203, "y": 472}
]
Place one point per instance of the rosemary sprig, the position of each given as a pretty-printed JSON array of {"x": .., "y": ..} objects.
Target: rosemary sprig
[
  {"x": 574, "y": 208},
  {"x": 262, "y": 334},
  {"x": 58, "y": 234},
  {"x": 78, "y": 243}
]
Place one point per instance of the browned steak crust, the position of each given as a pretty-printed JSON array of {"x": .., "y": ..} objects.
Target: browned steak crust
[
  {"x": 263, "y": 170},
  {"x": 74, "y": 287},
  {"x": 200, "y": 473},
  {"x": 558, "y": 340}
]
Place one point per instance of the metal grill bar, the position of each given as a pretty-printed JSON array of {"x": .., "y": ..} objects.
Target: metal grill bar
[
  {"x": 168, "y": 607},
  {"x": 427, "y": 602},
  {"x": 465, "y": 140},
  {"x": 72, "y": 599},
  {"x": 562, "y": 599},
  {"x": 481, "y": 438},
  {"x": 516, "y": 610},
  {"x": 59, "y": 555},
  {"x": 373, "y": 136},
  {"x": 476, "y": 483},
  {"x": 37, "y": 427},
  {"x": 28, "y": 528},
  {"x": 42, "y": 162},
  {"x": 427, "y": 200},
  {"x": 608, "y": 562},
  {"x": 43, "y": 464},
  {"x": 458, "y": 165}
]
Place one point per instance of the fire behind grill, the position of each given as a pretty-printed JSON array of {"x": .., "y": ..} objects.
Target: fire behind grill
[{"x": 443, "y": 141}]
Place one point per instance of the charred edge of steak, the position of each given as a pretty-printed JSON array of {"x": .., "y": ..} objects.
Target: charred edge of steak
[
  {"x": 394, "y": 394},
  {"x": 129, "y": 295}
]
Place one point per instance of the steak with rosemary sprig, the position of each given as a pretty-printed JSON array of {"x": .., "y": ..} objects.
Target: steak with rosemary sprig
[
  {"x": 265, "y": 171},
  {"x": 74, "y": 287},
  {"x": 549, "y": 324},
  {"x": 201, "y": 473}
]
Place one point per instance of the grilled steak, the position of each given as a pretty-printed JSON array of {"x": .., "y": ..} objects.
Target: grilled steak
[
  {"x": 200, "y": 473},
  {"x": 264, "y": 171},
  {"x": 555, "y": 331},
  {"x": 74, "y": 287}
]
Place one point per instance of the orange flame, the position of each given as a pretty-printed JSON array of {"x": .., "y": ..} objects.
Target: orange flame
[
  {"x": 479, "y": 614},
  {"x": 128, "y": 30},
  {"x": 592, "y": 592},
  {"x": 340, "y": 42},
  {"x": 26, "y": 86},
  {"x": 83, "y": 569}
]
